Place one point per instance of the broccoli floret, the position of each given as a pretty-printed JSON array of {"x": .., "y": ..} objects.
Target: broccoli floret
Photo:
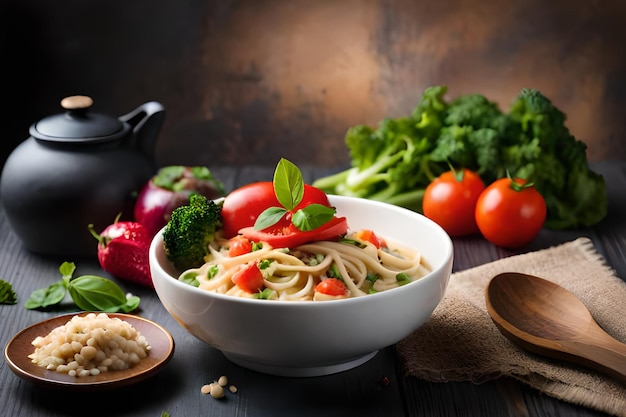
[
  {"x": 474, "y": 110},
  {"x": 190, "y": 230},
  {"x": 478, "y": 127},
  {"x": 546, "y": 153}
]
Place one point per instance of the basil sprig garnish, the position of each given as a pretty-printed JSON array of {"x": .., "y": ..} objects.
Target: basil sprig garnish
[
  {"x": 88, "y": 292},
  {"x": 289, "y": 190}
]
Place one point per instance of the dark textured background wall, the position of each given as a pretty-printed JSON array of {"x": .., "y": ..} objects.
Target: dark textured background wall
[{"x": 250, "y": 81}]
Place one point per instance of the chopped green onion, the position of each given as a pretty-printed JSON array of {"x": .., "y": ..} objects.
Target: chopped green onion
[
  {"x": 190, "y": 278},
  {"x": 264, "y": 294},
  {"x": 212, "y": 271},
  {"x": 333, "y": 272},
  {"x": 265, "y": 263},
  {"x": 403, "y": 278}
]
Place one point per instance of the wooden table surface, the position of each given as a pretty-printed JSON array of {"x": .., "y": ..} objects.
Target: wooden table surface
[{"x": 377, "y": 388}]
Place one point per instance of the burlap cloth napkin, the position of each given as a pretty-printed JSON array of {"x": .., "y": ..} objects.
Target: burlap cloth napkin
[{"x": 461, "y": 343}]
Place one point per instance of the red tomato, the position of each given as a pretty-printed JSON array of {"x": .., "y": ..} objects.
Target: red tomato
[
  {"x": 510, "y": 215},
  {"x": 239, "y": 245},
  {"x": 249, "y": 279},
  {"x": 243, "y": 205},
  {"x": 367, "y": 235},
  {"x": 451, "y": 202},
  {"x": 332, "y": 286},
  {"x": 289, "y": 236}
]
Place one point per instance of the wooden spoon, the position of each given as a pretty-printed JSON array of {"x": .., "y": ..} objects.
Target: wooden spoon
[{"x": 547, "y": 319}]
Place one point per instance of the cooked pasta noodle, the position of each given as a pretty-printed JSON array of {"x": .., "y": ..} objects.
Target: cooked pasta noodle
[{"x": 293, "y": 274}]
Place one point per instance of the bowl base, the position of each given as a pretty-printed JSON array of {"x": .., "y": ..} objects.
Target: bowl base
[{"x": 299, "y": 372}]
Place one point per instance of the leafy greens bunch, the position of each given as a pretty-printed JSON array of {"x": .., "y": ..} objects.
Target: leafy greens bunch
[{"x": 395, "y": 161}]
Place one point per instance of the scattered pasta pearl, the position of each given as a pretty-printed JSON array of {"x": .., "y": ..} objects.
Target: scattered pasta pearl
[
  {"x": 217, "y": 391},
  {"x": 216, "y": 388}
]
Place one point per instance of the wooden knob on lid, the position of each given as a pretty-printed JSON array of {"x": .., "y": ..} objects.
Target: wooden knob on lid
[{"x": 76, "y": 102}]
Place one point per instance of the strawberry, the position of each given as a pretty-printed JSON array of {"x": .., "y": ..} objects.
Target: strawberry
[{"x": 123, "y": 251}]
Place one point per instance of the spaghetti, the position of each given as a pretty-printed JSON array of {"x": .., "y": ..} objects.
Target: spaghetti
[{"x": 293, "y": 274}]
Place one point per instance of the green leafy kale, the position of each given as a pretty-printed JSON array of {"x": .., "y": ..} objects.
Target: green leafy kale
[{"x": 396, "y": 161}]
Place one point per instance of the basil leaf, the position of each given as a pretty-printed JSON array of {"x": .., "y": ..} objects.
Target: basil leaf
[
  {"x": 312, "y": 216},
  {"x": 46, "y": 297},
  {"x": 288, "y": 184},
  {"x": 269, "y": 217},
  {"x": 7, "y": 295},
  {"x": 89, "y": 293},
  {"x": 132, "y": 303},
  {"x": 67, "y": 269},
  {"x": 35, "y": 299},
  {"x": 94, "y": 293},
  {"x": 55, "y": 294},
  {"x": 81, "y": 302}
]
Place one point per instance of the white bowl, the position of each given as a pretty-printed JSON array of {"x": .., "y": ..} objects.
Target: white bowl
[{"x": 312, "y": 338}]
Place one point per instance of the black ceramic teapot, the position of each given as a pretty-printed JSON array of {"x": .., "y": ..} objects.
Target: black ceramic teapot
[{"x": 78, "y": 168}]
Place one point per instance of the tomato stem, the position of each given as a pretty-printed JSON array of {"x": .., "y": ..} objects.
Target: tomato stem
[{"x": 516, "y": 186}]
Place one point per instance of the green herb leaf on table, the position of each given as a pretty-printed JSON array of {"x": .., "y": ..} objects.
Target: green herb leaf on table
[
  {"x": 67, "y": 270},
  {"x": 7, "y": 295},
  {"x": 88, "y": 292},
  {"x": 94, "y": 293},
  {"x": 45, "y": 297}
]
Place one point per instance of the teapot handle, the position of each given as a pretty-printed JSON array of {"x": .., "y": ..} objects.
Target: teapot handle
[{"x": 146, "y": 121}]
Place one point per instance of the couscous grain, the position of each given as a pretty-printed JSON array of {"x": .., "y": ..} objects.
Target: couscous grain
[{"x": 89, "y": 345}]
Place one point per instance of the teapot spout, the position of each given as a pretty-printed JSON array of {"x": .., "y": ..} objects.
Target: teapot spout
[{"x": 146, "y": 121}]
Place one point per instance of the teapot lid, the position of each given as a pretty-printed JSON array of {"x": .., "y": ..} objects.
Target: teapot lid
[{"x": 78, "y": 124}]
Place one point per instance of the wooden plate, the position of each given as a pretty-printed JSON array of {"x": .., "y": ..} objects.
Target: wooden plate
[{"x": 17, "y": 351}]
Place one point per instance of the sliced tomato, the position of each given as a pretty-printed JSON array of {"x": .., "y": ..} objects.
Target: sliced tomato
[
  {"x": 239, "y": 245},
  {"x": 249, "y": 279},
  {"x": 332, "y": 286},
  {"x": 242, "y": 206},
  {"x": 367, "y": 235},
  {"x": 290, "y": 236}
]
